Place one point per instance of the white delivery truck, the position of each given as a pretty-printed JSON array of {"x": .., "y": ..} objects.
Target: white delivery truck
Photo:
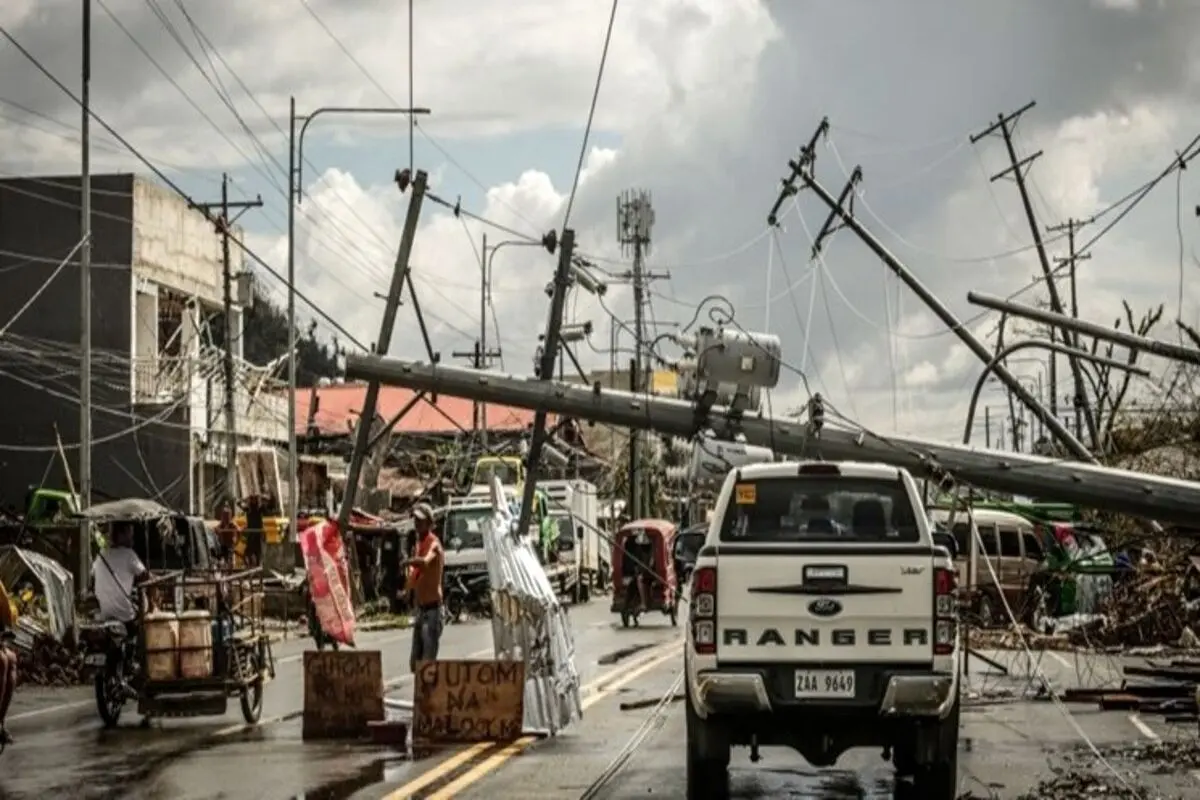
[{"x": 575, "y": 508}]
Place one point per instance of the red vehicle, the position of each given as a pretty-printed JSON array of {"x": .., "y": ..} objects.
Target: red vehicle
[{"x": 643, "y": 568}]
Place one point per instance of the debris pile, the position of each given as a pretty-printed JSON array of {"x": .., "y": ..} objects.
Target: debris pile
[
  {"x": 1159, "y": 687},
  {"x": 1151, "y": 607},
  {"x": 45, "y": 661}
]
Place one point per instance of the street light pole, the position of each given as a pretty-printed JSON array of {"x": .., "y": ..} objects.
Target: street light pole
[{"x": 295, "y": 194}]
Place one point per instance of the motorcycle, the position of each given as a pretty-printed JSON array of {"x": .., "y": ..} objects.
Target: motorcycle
[
  {"x": 111, "y": 652},
  {"x": 471, "y": 595}
]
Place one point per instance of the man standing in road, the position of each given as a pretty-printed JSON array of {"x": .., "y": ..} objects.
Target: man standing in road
[
  {"x": 425, "y": 578},
  {"x": 254, "y": 533}
]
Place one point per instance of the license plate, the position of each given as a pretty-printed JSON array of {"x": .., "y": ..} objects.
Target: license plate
[
  {"x": 824, "y": 683},
  {"x": 94, "y": 659}
]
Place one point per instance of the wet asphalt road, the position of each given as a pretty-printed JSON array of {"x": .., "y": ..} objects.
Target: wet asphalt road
[
  {"x": 1007, "y": 744},
  {"x": 1006, "y": 747},
  {"x": 62, "y": 750}
]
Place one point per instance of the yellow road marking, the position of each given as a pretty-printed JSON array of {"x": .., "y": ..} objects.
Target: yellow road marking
[{"x": 603, "y": 688}]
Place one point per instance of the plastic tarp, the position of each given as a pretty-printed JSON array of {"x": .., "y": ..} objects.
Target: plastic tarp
[
  {"x": 529, "y": 624},
  {"x": 54, "y": 581},
  {"x": 131, "y": 509},
  {"x": 329, "y": 579}
]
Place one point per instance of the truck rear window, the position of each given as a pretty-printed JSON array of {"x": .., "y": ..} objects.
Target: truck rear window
[{"x": 819, "y": 508}]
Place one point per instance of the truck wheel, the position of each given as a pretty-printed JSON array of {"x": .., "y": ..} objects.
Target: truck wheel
[
  {"x": 938, "y": 779},
  {"x": 707, "y": 758}
]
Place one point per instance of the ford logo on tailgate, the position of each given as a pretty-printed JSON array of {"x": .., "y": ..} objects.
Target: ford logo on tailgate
[{"x": 825, "y": 607}]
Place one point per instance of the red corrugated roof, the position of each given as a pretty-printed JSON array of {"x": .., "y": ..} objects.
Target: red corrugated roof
[{"x": 339, "y": 405}]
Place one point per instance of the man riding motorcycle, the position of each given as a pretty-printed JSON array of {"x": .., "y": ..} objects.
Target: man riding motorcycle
[{"x": 116, "y": 571}]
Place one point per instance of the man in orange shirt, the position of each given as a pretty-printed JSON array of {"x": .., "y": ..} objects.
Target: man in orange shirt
[{"x": 425, "y": 577}]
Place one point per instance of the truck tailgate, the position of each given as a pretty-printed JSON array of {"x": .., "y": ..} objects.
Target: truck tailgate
[{"x": 825, "y": 605}]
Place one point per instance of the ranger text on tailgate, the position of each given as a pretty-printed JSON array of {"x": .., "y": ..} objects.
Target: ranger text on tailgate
[{"x": 823, "y": 617}]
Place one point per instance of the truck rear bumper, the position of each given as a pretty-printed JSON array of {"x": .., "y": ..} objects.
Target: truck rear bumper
[{"x": 738, "y": 692}]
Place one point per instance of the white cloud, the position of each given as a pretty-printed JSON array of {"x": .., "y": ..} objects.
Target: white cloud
[{"x": 709, "y": 99}]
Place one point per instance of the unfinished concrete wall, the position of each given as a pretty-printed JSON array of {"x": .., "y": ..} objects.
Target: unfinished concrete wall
[{"x": 175, "y": 246}]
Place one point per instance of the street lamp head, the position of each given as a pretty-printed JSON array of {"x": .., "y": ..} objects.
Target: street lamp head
[{"x": 403, "y": 179}]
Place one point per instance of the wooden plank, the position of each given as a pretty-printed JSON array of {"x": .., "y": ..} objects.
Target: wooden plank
[
  {"x": 466, "y": 702},
  {"x": 343, "y": 693}
]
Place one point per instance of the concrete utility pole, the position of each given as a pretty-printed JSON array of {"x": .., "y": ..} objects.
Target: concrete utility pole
[
  {"x": 802, "y": 170},
  {"x": 537, "y": 439},
  {"x": 387, "y": 326},
  {"x": 85, "y": 298},
  {"x": 1071, "y": 226},
  {"x": 223, "y": 226},
  {"x": 1005, "y": 123},
  {"x": 635, "y": 221},
  {"x": 297, "y": 127},
  {"x": 1092, "y": 485}
]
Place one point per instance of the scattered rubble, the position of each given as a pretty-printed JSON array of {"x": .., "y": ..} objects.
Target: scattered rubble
[{"x": 45, "y": 661}]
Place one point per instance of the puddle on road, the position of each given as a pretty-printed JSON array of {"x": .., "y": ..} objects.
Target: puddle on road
[
  {"x": 623, "y": 653},
  {"x": 381, "y": 771}
]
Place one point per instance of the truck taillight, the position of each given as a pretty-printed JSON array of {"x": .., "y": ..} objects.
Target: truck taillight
[
  {"x": 945, "y": 611},
  {"x": 703, "y": 610}
]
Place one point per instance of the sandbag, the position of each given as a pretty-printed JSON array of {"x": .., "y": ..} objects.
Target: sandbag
[{"x": 329, "y": 580}]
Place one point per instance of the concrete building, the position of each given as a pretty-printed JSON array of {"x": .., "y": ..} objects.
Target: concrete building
[{"x": 157, "y": 387}]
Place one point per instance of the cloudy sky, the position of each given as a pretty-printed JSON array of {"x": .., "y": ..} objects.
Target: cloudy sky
[{"x": 702, "y": 103}]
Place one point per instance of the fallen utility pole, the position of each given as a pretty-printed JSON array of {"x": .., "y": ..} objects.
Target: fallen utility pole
[
  {"x": 1157, "y": 347},
  {"x": 1122, "y": 491},
  {"x": 1005, "y": 123},
  {"x": 537, "y": 439},
  {"x": 387, "y": 326},
  {"x": 224, "y": 225},
  {"x": 937, "y": 307}
]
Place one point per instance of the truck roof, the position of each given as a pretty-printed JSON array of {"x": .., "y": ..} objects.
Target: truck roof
[{"x": 789, "y": 469}]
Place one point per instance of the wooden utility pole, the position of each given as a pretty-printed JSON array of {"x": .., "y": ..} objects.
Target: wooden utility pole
[
  {"x": 1071, "y": 226},
  {"x": 479, "y": 359},
  {"x": 1006, "y": 124},
  {"x": 224, "y": 225}
]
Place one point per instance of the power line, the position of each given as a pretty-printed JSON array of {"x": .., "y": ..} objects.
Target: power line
[
  {"x": 174, "y": 186},
  {"x": 587, "y": 129}
]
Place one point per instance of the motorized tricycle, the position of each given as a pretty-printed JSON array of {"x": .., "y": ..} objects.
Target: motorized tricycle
[
  {"x": 644, "y": 568},
  {"x": 198, "y": 640}
]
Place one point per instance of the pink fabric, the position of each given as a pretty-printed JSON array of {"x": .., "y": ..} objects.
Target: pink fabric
[{"x": 329, "y": 579}]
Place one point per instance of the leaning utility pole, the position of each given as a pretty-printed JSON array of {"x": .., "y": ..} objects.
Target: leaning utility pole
[
  {"x": 635, "y": 220},
  {"x": 85, "y": 299},
  {"x": 1005, "y": 123},
  {"x": 537, "y": 439},
  {"x": 1071, "y": 226},
  {"x": 224, "y": 226},
  {"x": 802, "y": 169},
  {"x": 387, "y": 326}
]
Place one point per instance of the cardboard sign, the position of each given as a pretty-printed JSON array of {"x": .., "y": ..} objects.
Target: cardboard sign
[
  {"x": 465, "y": 702},
  {"x": 343, "y": 692},
  {"x": 745, "y": 494}
]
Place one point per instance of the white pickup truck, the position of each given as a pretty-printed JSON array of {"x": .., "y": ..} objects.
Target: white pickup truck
[{"x": 823, "y": 617}]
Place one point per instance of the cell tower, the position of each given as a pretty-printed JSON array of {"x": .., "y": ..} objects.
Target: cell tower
[{"x": 635, "y": 220}]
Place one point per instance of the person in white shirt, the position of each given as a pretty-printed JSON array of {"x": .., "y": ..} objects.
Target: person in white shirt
[{"x": 115, "y": 572}]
